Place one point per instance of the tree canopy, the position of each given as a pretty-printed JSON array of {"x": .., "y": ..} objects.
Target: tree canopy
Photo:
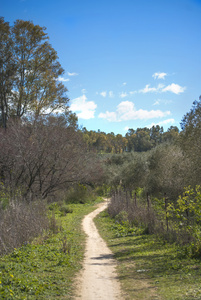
[{"x": 29, "y": 72}]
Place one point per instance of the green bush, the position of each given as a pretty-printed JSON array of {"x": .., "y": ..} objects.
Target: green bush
[
  {"x": 80, "y": 194},
  {"x": 186, "y": 219},
  {"x": 65, "y": 209},
  {"x": 103, "y": 191}
]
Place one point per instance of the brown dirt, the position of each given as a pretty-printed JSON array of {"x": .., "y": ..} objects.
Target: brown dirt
[{"x": 98, "y": 278}]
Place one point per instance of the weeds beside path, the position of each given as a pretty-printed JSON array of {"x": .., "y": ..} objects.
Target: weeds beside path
[
  {"x": 46, "y": 268},
  {"x": 147, "y": 267}
]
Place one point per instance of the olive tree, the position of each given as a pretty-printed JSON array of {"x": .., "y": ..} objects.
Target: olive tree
[{"x": 190, "y": 141}]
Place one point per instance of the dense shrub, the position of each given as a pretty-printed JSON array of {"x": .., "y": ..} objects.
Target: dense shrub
[
  {"x": 123, "y": 208},
  {"x": 20, "y": 222},
  {"x": 80, "y": 194},
  {"x": 173, "y": 221}
]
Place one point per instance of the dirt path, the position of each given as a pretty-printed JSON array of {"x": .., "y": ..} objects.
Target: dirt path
[{"x": 98, "y": 277}]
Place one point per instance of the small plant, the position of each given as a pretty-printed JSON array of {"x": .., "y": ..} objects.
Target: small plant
[
  {"x": 53, "y": 226},
  {"x": 66, "y": 246},
  {"x": 53, "y": 206},
  {"x": 65, "y": 209},
  {"x": 122, "y": 217}
]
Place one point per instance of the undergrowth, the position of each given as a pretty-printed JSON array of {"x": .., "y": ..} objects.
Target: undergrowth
[
  {"x": 45, "y": 269},
  {"x": 150, "y": 268}
]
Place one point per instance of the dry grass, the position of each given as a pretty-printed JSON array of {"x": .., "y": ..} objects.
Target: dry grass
[
  {"x": 125, "y": 209},
  {"x": 20, "y": 222}
]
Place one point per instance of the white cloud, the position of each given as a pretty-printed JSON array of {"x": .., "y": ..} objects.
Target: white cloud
[
  {"x": 109, "y": 116},
  {"x": 149, "y": 89},
  {"x": 159, "y": 75},
  {"x": 157, "y": 102},
  {"x": 111, "y": 94},
  {"x": 165, "y": 122},
  {"x": 85, "y": 109},
  {"x": 124, "y": 107},
  {"x": 126, "y": 111},
  {"x": 174, "y": 88},
  {"x": 133, "y": 92},
  {"x": 103, "y": 94},
  {"x": 161, "y": 101},
  {"x": 86, "y": 114},
  {"x": 83, "y": 91},
  {"x": 124, "y": 83},
  {"x": 161, "y": 88},
  {"x": 72, "y": 74},
  {"x": 123, "y": 95},
  {"x": 63, "y": 79}
]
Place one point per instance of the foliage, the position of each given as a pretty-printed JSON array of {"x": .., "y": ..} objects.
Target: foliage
[
  {"x": 190, "y": 142},
  {"x": 166, "y": 171},
  {"x": 173, "y": 221},
  {"x": 191, "y": 121},
  {"x": 65, "y": 209},
  {"x": 134, "y": 171},
  {"x": 188, "y": 209},
  {"x": 103, "y": 190},
  {"x": 148, "y": 268},
  {"x": 7, "y": 69},
  {"x": 45, "y": 269},
  {"x": 29, "y": 71},
  {"x": 158, "y": 171},
  {"x": 186, "y": 218},
  {"x": 80, "y": 194},
  {"x": 139, "y": 140},
  {"x": 164, "y": 174}
]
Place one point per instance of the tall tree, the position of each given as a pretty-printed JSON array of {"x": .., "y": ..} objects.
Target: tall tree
[
  {"x": 35, "y": 85},
  {"x": 191, "y": 122},
  {"x": 190, "y": 138},
  {"x": 130, "y": 136},
  {"x": 156, "y": 133},
  {"x": 7, "y": 69},
  {"x": 171, "y": 135}
]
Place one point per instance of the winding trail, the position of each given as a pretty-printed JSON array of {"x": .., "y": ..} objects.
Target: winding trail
[{"x": 98, "y": 279}]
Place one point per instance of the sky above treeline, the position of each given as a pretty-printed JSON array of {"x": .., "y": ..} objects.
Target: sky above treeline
[{"x": 128, "y": 64}]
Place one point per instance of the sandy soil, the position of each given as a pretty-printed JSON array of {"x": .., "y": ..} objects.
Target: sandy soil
[{"x": 98, "y": 279}]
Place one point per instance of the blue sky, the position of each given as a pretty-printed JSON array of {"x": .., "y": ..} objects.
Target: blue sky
[{"x": 128, "y": 64}]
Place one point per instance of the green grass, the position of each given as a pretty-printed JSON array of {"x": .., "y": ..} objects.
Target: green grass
[
  {"x": 46, "y": 268},
  {"x": 148, "y": 268}
]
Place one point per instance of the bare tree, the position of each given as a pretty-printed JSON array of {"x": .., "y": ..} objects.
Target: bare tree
[{"x": 42, "y": 156}]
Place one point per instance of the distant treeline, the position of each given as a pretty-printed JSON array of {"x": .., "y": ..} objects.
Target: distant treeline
[{"x": 139, "y": 140}]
